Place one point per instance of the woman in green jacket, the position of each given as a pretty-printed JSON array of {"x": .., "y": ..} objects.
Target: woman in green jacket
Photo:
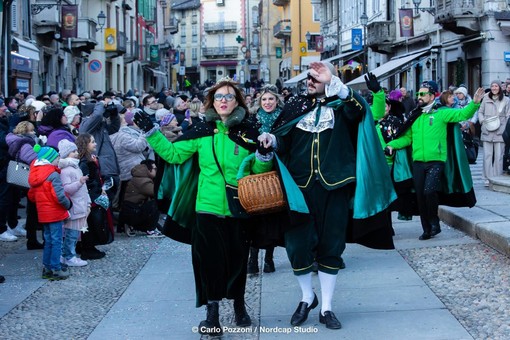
[{"x": 218, "y": 241}]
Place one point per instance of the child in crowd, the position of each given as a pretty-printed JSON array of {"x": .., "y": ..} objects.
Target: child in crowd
[
  {"x": 75, "y": 186},
  {"x": 140, "y": 210},
  {"x": 89, "y": 165},
  {"x": 47, "y": 191}
]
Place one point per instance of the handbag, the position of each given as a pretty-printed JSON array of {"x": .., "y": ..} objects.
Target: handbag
[
  {"x": 234, "y": 204},
  {"x": 17, "y": 174},
  {"x": 492, "y": 123}
]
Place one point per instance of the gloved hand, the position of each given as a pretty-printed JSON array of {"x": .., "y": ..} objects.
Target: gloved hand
[
  {"x": 143, "y": 121},
  {"x": 372, "y": 82},
  {"x": 264, "y": 150}
]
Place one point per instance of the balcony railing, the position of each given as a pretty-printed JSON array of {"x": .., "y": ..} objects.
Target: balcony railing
[
  {"x": 282, "y": 29},
  {"x": 459, "y": 15},
  {"x": 86, "y": 40},
  {"x": 220, "y": 52},
  {"x": 172, "y": 26},
  {"x": 381, "y": 32},
  {"x": 225, "y": 26}
]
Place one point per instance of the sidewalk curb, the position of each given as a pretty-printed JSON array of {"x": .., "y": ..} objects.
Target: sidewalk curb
[{"x": 488, "y": 227}]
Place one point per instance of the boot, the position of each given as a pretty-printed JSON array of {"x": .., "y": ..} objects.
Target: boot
[
  {"x": 241, "y": 316},
  {"x": 253, "y": 261},
  {"x": 211, "y": 324},
  {"x": 268, "y": 261}
]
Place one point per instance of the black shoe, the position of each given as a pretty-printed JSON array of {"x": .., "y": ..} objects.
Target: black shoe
[
  {"x": 301, "y": 313},
  {"x": 269, "y": 266},
  {"x": 330, "y": 320},
  {"x": 92, "y": 254},
  {"x": 2, "y": 279},
  {"x": 435, "y": 230},
  {"x": 424, "y": 236},
  {"x": 241, "y": 316},
  {"x": 211, "y": 325},
  {"x": 342, "y": 263},
  {"x": 32, "y": 245}
]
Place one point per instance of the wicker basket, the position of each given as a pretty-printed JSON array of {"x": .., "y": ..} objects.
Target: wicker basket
[{"x": 261, "y": 193}]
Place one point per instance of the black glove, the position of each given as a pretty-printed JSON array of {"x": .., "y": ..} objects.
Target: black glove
[
  {"x": 262, "y": 150},
  {"x": 372, "y": 82},
  {"x": 143, "y": 121},
  {"x": 110, "y": 110}
]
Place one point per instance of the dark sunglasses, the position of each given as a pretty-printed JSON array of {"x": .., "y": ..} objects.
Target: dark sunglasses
[{"x": 310, "y": 77}]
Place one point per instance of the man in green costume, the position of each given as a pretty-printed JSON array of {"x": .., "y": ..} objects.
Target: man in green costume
[
  {"x": 428, "y": 137},
  {"x": 328, "y": 143}
]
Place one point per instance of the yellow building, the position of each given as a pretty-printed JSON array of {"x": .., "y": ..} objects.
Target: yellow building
[{"x": 298, "y": 30}]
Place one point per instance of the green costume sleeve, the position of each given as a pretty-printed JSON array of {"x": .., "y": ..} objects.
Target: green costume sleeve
[
  {"x": 378, "y": 106},
  {"x": 458, "y": 115},
  {"x": 173, "y": 153},
  {"x": 403, "y": 141}
]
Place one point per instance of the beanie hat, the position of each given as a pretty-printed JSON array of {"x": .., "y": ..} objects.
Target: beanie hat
[
  {"x": 462, "y": 90},
  {"x": 45, "y": 152},
  {"x": 134, "y": 100},
  {"x": 128, "y": 117},
  {"x": 160, "y": 113},
  {"x": 65, "y": 147},
  {"x": 70, "y": 112},
  {"x": 431, "y": 85},
  {"x": 167, "y": 119},
  {"x": 38, "y": 105}
]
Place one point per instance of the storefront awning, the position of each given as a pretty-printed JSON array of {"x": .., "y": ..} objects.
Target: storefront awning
[
  {"x": 25, "y": 49},
  {"x": 388, "y": 69},
  {"x": 302, "y": 75},
  {"x": 156, "y": 73}
]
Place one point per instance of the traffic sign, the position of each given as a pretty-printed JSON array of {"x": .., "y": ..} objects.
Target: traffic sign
[{"x": 95, "y": 66}]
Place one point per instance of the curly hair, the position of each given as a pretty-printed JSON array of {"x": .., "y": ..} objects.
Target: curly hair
[
  {"x": 23, "y": 127},
  {"x": 82, "y": 143}
]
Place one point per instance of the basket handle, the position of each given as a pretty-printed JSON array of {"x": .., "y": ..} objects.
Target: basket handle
[{"x": 246, "y": 161}]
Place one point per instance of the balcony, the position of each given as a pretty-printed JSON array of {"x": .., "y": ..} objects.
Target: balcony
[
  {"x": 172, "y": 26},
  {"x": 282, "y": 29},
  {"x": 86, "y": 40},
  {"x": 459, "y": 16},
  {"x": 280, "y": 2},
  {"x": 380, "y": 35},
  {"x": 131, "y": 53},
  {"x": 220, "y": 52},
  {"x": 226, "y": 26}
]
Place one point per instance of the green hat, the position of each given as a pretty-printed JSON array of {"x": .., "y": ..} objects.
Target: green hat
[{"x": 45, "y": 152}]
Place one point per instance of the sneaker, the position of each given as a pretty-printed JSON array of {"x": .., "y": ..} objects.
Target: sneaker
[
  {"x": 18, "y": 231},
  {"x": 59, "y": 275},
  {"x": 47, "y": 273},
  {"x": 76, "y": 262},
  {"x": 6, "y": 236},
  {"x": 154, "y": 234},
  {"x": 130, "y": 231}
]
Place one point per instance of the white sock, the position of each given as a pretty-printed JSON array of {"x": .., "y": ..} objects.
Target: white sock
[
  {"x": 305, "y": 282},
  {"x": 328, "y": 282}
]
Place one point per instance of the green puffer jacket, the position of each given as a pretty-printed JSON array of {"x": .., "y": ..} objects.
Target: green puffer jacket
[
  {"x": 428, "y": 133},
  {"x": 211, "y": 197}
]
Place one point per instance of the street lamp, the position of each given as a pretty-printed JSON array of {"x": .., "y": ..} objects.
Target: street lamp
[
  {"x": 364, "y": 21},
  {"x": 101, "y": 21},
  {"x": 308, "y": 36},
  {"x": 417, "y": 3}
]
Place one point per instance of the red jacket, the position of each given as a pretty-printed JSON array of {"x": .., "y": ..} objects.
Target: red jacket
[{"x": 47, "y": 191}]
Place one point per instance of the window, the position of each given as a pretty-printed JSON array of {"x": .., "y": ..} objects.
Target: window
[
  {"x": 220, "y": 2},
  {"x": 312, "y": 44},
  {"x": 316, "y": 15},
  {"x": 194, "y": 56}
]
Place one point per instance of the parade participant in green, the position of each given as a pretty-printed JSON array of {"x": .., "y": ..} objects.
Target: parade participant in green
[
  {"x": 218, "y": 241},
  {"x": 328, "y": 143},
  {"x": 430, "y": 152}
]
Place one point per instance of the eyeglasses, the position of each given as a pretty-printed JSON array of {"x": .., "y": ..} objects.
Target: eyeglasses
[
  {"x": 422, "y": 94},
  {"x": 310, "y": 77},
  {"x": 228, "y": 97}
]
